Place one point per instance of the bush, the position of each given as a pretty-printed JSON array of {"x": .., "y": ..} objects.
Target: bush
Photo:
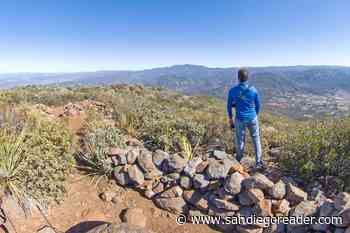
[
  {"x": 43, "y": 152},
  {"x": 319, "y": 150},
  {"x": 98, "y": 137}
]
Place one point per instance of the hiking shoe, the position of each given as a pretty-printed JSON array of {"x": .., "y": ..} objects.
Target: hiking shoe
[{"x": 259, "y": 166}]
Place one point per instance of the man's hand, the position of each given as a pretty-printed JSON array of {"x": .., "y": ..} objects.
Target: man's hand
[{"x": 232, "y": 125}]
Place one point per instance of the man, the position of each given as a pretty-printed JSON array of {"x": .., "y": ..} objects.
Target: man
[{"x": 246, "y": 101}]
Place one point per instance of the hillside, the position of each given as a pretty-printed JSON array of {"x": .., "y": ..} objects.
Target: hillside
[{"x": 299, "y": 92}]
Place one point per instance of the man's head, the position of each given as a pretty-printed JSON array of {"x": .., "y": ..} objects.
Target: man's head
[{"x": 243, "y": 75}]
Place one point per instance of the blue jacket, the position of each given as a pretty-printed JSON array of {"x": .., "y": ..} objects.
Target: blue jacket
[{"x": 246, "y": 101}]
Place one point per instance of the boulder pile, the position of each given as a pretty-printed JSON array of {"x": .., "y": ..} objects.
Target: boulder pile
[{"x": 218, "y": 185}]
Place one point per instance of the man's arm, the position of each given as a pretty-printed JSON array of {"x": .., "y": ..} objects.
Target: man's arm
[
  {"x": 257, "y": 103},
  {"x": 230, "y": 105}
]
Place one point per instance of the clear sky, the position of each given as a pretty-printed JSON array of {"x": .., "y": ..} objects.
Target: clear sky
[{"x": 86, "y": 35}]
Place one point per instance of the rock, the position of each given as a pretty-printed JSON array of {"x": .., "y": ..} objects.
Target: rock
[
  {"x": 255, "y": 195},
  {"x": 175, "y": 205},
  {"x": 281, "y": 207},
  {"x": 196, "y": 199},
  {"x": 158, "y": 187},
  {"x": 318, "y": 196},
  {"x": 218, "y": 169},
  {"x": 46, "y": 229},
  {"x": 224, "y": 204},
  {"x": 202, "y": 166},
  {"x": 295, "y": 195},
  {"x": 149, "y": 194},
  {"x": 347, "y": 230},
  {"x": 263, "y": 208},
  {"x": 278, "y": 191},
  {"x": 159, "y": 157},
  {"x": 275, "y": 228},
  {"x": 121, "y": 177},
  {"x": 134, "y": 142},
  {"x": 132, "y": 155},
  {"x": 304, "y": 208},
  {"x": 191, "y": 166},
  {"x": 172, "y": 192},
  {"x": 115, "y": 151},
  {"x": 219, "y": 154},
  {"x": 248, "y": 162},
  {"x": 185, "y": 182},
  {"x": 246, "y": 212},
  {"x": 259, "y": 181},
  {"x": 233, "y": 183},
  {"x": 339, "y": 230},
  {"x": 119, "y": 158},
  {"x": 326, "y": 209},
  {"x": 135, "y": 175},
  {"x": 175, "y": 163},
  {"x": 342, "y": 201},
  {"x": 244, "y": 199},
  {"x": 200, "y": 181},
  {"x": 248, "y": 229},
  {"x": 145, "y": 161},
  {"x": 102, "y": 228},
  {"x": 345, "y": 217},
  {"x": 108, "y": 196},
  {"x": 135, "y": 217},
  {"x": 275, "y": 152}
]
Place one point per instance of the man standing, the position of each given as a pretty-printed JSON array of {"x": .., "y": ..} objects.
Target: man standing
[{"x": 246, "y": 101}]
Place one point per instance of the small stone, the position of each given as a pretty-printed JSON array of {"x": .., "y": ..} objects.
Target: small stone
[
  {"x": 175, "y": 205},
  {"x": 135, "y": 217},
  {"x": 342, "y": 201},
  {"x": 120, "y": 176},
  {"x": 149, "y": 193},
  {"x": 185, "y": 182},
  {"x": 200, "y": 182},
  {"x": 244, "y": 199},
  {"x": 295, "y": 195},
  {"x": 304, "y": 208},
  {"x": 263, "y": 208},
  {"x": 159, "y": 157},
  {"x": 218, "y": 154},
  {"x": 114, "y": 151},
  {"x": 259, "y": 181},
  {"x": 218, "y": 169},
  {"x": 135, "y": 175},
  {"x": 196, "y": 199},
  {"x": 248, "y": 162},
  {"x": 175, "y": 163},
  {"x": 281, "y": 207},
  {"x": 344, "y": 215},
  {"x": 132, "y": 155},
  {"x": 255, "y": 195},
  {"x": 233, "y": 183},
  {"x": 246, "y": 212},
  {"x": 226, "y": 205},
  {"x": 278, "y": 191},
  {"x": 145, "y": 161},
  {"x": 191, "y": 166},
  {"x": 158, "y": 187},
  {"x": 108, "y": 196},
  {"x": 172, "y": 192},
  {"x": 202, "y": 166}
]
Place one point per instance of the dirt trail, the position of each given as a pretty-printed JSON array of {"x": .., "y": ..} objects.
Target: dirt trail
[{"x": 82, "y": 203}]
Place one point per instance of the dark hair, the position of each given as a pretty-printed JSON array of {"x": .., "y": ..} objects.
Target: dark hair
[{"x": 242, "y": 75}]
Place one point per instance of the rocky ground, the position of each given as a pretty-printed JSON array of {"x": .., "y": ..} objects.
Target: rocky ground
[{"x": 149, "y": 189}]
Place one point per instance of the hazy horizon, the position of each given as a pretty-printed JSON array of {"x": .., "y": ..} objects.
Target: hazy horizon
[{"x": 73, "y": 36}]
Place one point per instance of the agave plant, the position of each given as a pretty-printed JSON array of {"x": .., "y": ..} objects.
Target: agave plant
[{"x": 12, "y": 165}]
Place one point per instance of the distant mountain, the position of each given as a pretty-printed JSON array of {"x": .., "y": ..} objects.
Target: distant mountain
[{"x": 282, "y": 88}]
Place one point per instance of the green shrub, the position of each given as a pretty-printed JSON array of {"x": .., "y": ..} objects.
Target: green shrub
[
  {"x": 99, "y": 136},
  {"x": 40, "y": 158},
  {"x": 319, "y": 150}
]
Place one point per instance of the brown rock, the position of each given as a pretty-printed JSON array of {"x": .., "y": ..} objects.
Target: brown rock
[
  {"x": 255, "y": 195},
  {"x": 135, "y": 217},
  {"x": 202, "y": 166},
  {"x": 281, "y": 207},
  {"x": 196, "y": 199},
  {"x": 172, "y": 192},
  {"x": 263, "y": 208},
  {"x": 295, "y": 195},
  {"x": 278, "y": 191},
  {"x": 259, "y": 181},
  {"x": 342, "y": 201}
]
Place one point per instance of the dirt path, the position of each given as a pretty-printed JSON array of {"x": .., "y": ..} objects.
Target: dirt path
[{"x": 82, "y": 204}]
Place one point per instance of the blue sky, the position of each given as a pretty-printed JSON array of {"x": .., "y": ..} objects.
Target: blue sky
[{"x": 77, "y": 35}]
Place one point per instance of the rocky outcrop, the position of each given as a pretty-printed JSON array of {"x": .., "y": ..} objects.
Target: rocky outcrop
[{"x": 216, "y": 184}]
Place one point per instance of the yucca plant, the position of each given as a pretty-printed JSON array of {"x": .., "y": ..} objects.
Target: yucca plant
[{"x": 13, "y": 160}]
